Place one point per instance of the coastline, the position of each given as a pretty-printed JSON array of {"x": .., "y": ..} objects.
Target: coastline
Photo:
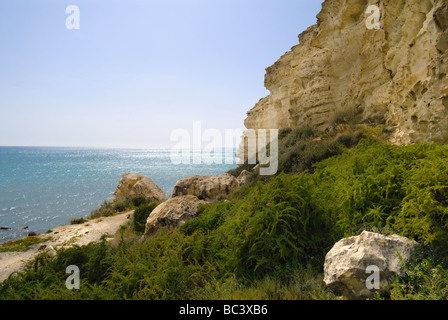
[{"x": 63, "y": 236}]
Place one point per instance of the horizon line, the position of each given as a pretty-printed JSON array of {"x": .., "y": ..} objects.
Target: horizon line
[{"x": 118, "y": 147}]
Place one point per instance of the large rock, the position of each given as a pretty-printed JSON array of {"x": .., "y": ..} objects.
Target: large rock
[
  {"x": 173, "y": 213},
  {"x": 208, "y": 188},
  {"x": 137, "y": 186},
  {"x": 187, "y": 195},
  {"x": 346, "y": 264},
  {"x": 397, "y": 73}
]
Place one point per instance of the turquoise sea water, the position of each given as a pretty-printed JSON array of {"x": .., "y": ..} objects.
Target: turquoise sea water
[{"x": 43, "y": 188}]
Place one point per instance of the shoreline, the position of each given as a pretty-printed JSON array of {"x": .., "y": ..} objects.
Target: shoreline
[{"x": 63, "y": 236}]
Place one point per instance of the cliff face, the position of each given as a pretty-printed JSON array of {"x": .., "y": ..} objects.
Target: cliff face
[{"x": 395, "y": 72}]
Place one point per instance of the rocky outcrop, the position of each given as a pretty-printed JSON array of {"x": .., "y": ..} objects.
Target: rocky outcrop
[
  {"x": 208, "y": 188},
  {"x": 243, "y": 178},
  {"x": 350, "y": 263},
  {"x": 187, "y": 195},
  {"x": 173, "y": 213},
  {"x": 133, "y": 186},
  {"x": 395, "y": 73}
]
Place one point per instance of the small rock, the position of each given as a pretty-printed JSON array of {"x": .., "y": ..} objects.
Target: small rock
[
  {"x": 32, "y": 234},
  {"x": 256, "y": 169},
  {"x": 243, "y": 178},
  {"x": 49, "y": 250},
  {"x": 5, "y": 228}
]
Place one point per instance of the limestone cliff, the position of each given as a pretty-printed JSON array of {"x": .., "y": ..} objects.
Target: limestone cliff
[{"x": 395, "y": 73}]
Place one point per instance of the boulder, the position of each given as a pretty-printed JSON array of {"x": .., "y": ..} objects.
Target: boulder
[
  {"x": 351, "y": 262},
  {"x": 133, "y": 186},
  {"x": 207, "y": 188},
  {"x": 173, "y": 213}
]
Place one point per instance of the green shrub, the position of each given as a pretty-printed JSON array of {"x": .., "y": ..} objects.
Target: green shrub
[
  {"x": 139, "y": 201},
  {"x": 344, "y": 115},
  {"x": 275, "y": 227},
  {"x": 422, "y": 281},
  {"x": 78, "y": 221},
  {"x": 424, "y": 213},
  {"x": 299, "y": 150},
  {"x": 140, "y": 216},
  {"x": 121, "y": 206},
  {"x": 402, "y": 188},
  {"x": 105, "y": 210},
  {"x": 288, "y": 138}
]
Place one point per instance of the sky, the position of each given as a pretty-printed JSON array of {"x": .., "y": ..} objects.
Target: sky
[{"x": 136, "y": 70}]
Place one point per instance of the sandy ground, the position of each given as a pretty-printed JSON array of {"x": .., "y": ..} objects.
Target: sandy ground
[{"x": 81, "y": 234}]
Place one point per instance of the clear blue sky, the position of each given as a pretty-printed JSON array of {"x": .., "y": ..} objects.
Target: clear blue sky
[{"x": 137, "y": 69}]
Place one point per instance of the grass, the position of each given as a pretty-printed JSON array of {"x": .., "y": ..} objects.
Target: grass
[
  {"x": 22, "y": 245},
  {"x": 306, "y": 284}
]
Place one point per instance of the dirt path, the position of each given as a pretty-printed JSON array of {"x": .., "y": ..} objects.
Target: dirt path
[{"x": 80, "y": 234}]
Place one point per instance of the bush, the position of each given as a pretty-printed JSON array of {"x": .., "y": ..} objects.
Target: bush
[
  {"x": 78, "y": 221},
  {"x": 344, "y": 115},
  {"x": 105, "y": 210},
  {"x": 275, "y": 227},
  {"x": 403, "y": 188},
  {"x": 422, "y": 281},
  {"x": 137, "y": 202},
  {"x": 121, "y": 206},
  {"x": 140, "y": 216}
]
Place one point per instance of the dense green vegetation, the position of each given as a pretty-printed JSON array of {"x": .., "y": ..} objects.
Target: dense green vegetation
[
  {"x": 268, "y": 240},
  {"x": 140, "y": 216}
]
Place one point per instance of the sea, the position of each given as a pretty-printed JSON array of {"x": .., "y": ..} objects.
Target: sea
[{"x": 45, "y": 187}]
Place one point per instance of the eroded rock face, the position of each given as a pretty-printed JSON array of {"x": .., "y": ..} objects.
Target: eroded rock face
[
  {"x": 172, "y": 213},
  {"x": 137, "y": 186},
  {"x": 208, "y": 188},
  {"x": 396, "y": 74},
  {"x": 346, "y": 264}
]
